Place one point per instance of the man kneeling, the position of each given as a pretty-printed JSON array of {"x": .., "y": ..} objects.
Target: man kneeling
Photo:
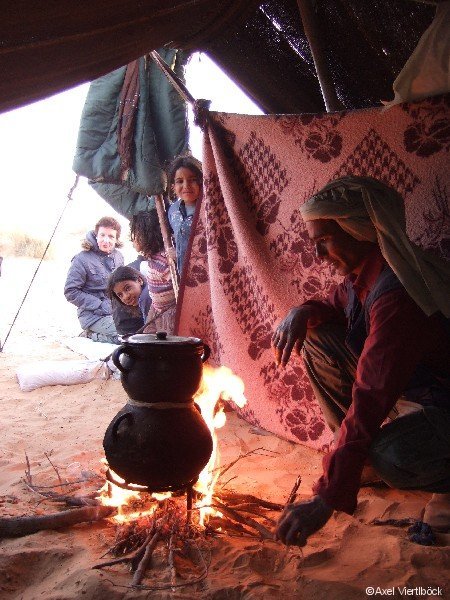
[{"x": 377, "y": 353}]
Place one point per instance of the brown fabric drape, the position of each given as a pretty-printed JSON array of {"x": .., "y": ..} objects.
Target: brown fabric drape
[
  {"x": 49, "y": 46},
  {"x": 128, "y": 105}
]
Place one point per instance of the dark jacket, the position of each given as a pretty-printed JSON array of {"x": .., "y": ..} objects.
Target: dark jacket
[
  {"x": 426, "y": 386},
  {"x": 87, "y": 280}
]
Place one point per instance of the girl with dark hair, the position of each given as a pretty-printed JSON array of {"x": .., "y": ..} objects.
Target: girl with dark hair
[
  {"x": 130, "y": 299},
  {"x": 185, "y": 181},
  {"x": 146, "y": 236}
]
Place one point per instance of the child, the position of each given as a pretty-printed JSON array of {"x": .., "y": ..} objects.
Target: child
[
  {"x": 185, "y": 181},
  {"x": 146, "y": 236},
  {"x": 130, "y": 299}
]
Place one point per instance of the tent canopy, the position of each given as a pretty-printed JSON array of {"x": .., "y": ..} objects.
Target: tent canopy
[{"x": 53, "y": 45}]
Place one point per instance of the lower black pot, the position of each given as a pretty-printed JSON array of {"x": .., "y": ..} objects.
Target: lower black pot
[{"x": 162, "y": 449}]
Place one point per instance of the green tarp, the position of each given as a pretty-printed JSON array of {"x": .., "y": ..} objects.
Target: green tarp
[{"x": 160, "y": 134}]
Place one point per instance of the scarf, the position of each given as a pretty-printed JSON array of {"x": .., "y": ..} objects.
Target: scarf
[{"x": 371, "y": 211}]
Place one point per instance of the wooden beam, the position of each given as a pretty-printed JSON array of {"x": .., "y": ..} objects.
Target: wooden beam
[{"x": 312, "y": 32}]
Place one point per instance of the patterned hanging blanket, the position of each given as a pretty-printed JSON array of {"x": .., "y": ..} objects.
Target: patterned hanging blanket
[{"x": 251, "y": 259}]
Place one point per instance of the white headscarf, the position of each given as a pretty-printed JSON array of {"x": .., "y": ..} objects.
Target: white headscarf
[{"x": 371, "y": 211}]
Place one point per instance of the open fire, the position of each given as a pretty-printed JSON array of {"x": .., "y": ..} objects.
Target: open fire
[
  {"x": 171, "y": 530},
  {"x": 218, "y": 386},
  {"x": 177, "y": 518}
]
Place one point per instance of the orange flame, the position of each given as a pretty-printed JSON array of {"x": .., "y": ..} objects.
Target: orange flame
[{"x": 220, "y": 383}]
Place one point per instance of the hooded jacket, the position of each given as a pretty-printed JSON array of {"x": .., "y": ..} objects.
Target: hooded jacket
[{"x": 87, "y": 281}]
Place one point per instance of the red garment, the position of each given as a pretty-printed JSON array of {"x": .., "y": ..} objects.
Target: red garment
[{"x": 400, "y": 336}]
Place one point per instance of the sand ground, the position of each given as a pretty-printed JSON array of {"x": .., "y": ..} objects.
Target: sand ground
[{"x": 68, "y": 422}]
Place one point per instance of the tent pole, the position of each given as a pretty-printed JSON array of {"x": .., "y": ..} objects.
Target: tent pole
[
  {"x": 173, "y": 78},
  {"x": 159, "y": 203},
  {"x": 311, "y": 29}
]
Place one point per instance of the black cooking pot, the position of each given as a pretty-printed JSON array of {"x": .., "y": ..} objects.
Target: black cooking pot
[
  {"x": 161, "y": 448},
  {"x": 160, "y": 368}
]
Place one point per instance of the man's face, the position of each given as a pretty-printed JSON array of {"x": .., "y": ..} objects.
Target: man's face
[
  {"x": 106, "y": 239},
  {"x": 336, "y": 247}
]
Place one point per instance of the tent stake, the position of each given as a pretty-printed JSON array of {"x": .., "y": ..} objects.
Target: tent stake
[{"x": 311, "y": 29}]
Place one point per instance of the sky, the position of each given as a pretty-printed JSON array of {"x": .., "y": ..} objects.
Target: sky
[{"x": 38, "y": 144}]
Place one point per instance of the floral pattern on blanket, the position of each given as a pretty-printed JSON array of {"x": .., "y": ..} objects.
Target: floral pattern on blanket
[{"x": 251, "y": 259}]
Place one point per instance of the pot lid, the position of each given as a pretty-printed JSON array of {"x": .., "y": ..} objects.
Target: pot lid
[{"x": 160, "y": 338}]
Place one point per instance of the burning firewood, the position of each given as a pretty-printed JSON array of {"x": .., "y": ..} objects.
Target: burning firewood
[
  {"x": 176, "y": 522},
  {"x": 145, "y": 561},
  {"x": 250, "y": 500},
  {"x": 249, "y": 522}
]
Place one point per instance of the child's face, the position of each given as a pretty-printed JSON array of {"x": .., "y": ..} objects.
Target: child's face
[
  {"x": 129, "y": 291},
  {"x": 186, "y": 185}
]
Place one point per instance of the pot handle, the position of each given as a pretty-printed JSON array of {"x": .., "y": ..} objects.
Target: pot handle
[
  {"x": 118, "y": 421},
  {"x": 206, "y": 352},
  {"x": 115, "y": 357}
]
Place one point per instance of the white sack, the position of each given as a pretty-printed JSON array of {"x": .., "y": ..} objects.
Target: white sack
[{"x": 62, "y": 372}]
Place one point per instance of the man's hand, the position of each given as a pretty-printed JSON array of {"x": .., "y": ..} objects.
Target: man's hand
[
  {"x": 290, "y": 333},
  {"x": 302, "y": 519}
]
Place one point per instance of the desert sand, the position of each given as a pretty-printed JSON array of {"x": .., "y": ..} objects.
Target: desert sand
[{"x": 67, "y": 424}]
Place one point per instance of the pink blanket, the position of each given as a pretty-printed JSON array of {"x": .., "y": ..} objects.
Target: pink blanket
[{"x": 251, "y": 260}]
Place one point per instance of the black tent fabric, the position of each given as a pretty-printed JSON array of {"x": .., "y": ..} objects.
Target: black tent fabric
[{"x": 49, "y": 46}]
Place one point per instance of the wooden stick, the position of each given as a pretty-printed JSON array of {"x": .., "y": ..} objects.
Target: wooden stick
[
  {"x": 293, "y": 495},
  {"x": 173, "y": 78},
  {"x": 311, "y": 29},
  {"x": 252, "y": 509},
  {"x": 110, "y": 563},
  {"x": 136, "y": 559},
  {"x": 394, "y": 522},
  {"x": 54, "y": 468},
  {"x": 265, "y": 533},
  {"x": 19, "y": 526},
  {"x": 228, "y": 523},
  {"x": 171, "y": 560},
  {"x": 159, "y": 203},
  {"x": 65, "y": 499},
  {"x": 73, "y": 483},
  {"x": 223, "y": 470},
  {"x": 189, "y": 503},
  {"x": 248, "y": 498},
  {"x": 140, "y": 571}
]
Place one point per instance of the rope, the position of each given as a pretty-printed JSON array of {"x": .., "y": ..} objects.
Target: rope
[
  {"x": 69, "y": 198},
  {"x": 161, "y": 405}
]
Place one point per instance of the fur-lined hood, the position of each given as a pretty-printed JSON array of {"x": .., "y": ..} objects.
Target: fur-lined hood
[{"x": 90, "y": 242}]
